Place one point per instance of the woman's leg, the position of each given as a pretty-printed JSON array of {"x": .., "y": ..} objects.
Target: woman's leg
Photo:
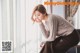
[
  {"x": 48, "y": 47},
  {"x": 62, "y": 47},
  {"x": 66, "y": 43},
  {"x": 58, "y": 46}
]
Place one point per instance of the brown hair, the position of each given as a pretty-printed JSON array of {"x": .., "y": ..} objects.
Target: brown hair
[{"x": 39, "y": 8}]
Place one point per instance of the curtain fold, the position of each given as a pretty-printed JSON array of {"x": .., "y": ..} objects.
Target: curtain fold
[
  {"x": 76, "y": 19},
  {"x": 70, "y": 11},
  {"x": 0, "y": 27},
  {"x": 16, "y": 25}
]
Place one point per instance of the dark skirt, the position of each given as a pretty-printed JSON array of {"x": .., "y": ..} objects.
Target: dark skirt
[{"x": 61, "y": 44}]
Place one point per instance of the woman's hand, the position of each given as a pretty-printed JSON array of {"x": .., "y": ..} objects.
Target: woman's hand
[
  {"x": 42, "y": 44},
  {"x": 38, "y": 20}
]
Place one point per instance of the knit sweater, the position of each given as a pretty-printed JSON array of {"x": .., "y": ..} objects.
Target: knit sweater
[{"x": 55, "y": 26}]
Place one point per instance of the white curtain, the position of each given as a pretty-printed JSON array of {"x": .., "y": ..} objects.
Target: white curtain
[
  {"x": 0, "y": 27},
  {"x": 16, "y": 25},
  {"x": 76, "y": 19}
]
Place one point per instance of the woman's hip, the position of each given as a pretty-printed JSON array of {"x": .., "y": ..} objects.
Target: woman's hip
[{"x": 72, "y": 38}]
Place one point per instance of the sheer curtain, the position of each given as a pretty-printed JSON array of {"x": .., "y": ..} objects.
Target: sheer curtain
[
  {"x": 76, "y": 19},
  {"x": 6, "y": 22},
  {"x": 16, "y": 25},
  {"x": 0, "y": 27},
  {"x": 33, "y": 33},
  {"x": 32, "y": 30}
]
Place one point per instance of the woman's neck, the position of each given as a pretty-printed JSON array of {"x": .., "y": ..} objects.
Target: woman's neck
[{"x": 46, "y": 17}]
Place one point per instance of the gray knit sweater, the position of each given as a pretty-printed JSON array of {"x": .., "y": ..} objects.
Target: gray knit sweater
[{"x": 55, "y": 26}]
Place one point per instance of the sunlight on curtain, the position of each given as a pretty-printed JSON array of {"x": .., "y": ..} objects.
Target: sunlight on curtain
[
  {"x": 76, "y": 19},
  {"x": 16, "y": 25},
  {"x": 33, "y": 36},
  {"x": 6, "y": 21},
  {"x": 0, "y": 28},
  {"x": 19, "y": 13}
]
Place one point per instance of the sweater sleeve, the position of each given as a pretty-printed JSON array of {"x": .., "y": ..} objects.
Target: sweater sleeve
[
  {"x": 43, "y": 30},
  {"x": 53, "y": 25}
]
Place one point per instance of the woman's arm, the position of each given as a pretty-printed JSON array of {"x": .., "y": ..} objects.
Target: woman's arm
[
  {"x": 44, "y": 31},
  {"x": 53, "y": 26}
]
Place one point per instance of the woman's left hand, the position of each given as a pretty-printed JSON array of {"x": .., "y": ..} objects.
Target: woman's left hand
[{"x": 42, "y": 44}]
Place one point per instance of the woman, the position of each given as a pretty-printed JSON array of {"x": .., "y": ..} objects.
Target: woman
[{"x": 60, "y": 34}]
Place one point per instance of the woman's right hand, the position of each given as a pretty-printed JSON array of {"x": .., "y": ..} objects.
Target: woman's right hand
[{"x": 38, "y": 20}]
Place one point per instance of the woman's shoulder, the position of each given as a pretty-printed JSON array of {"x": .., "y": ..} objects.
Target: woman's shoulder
[{"x": 53, "y": 16}]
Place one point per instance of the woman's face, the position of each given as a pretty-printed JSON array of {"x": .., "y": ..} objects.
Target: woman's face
[{"x": 39, "y": 15}]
